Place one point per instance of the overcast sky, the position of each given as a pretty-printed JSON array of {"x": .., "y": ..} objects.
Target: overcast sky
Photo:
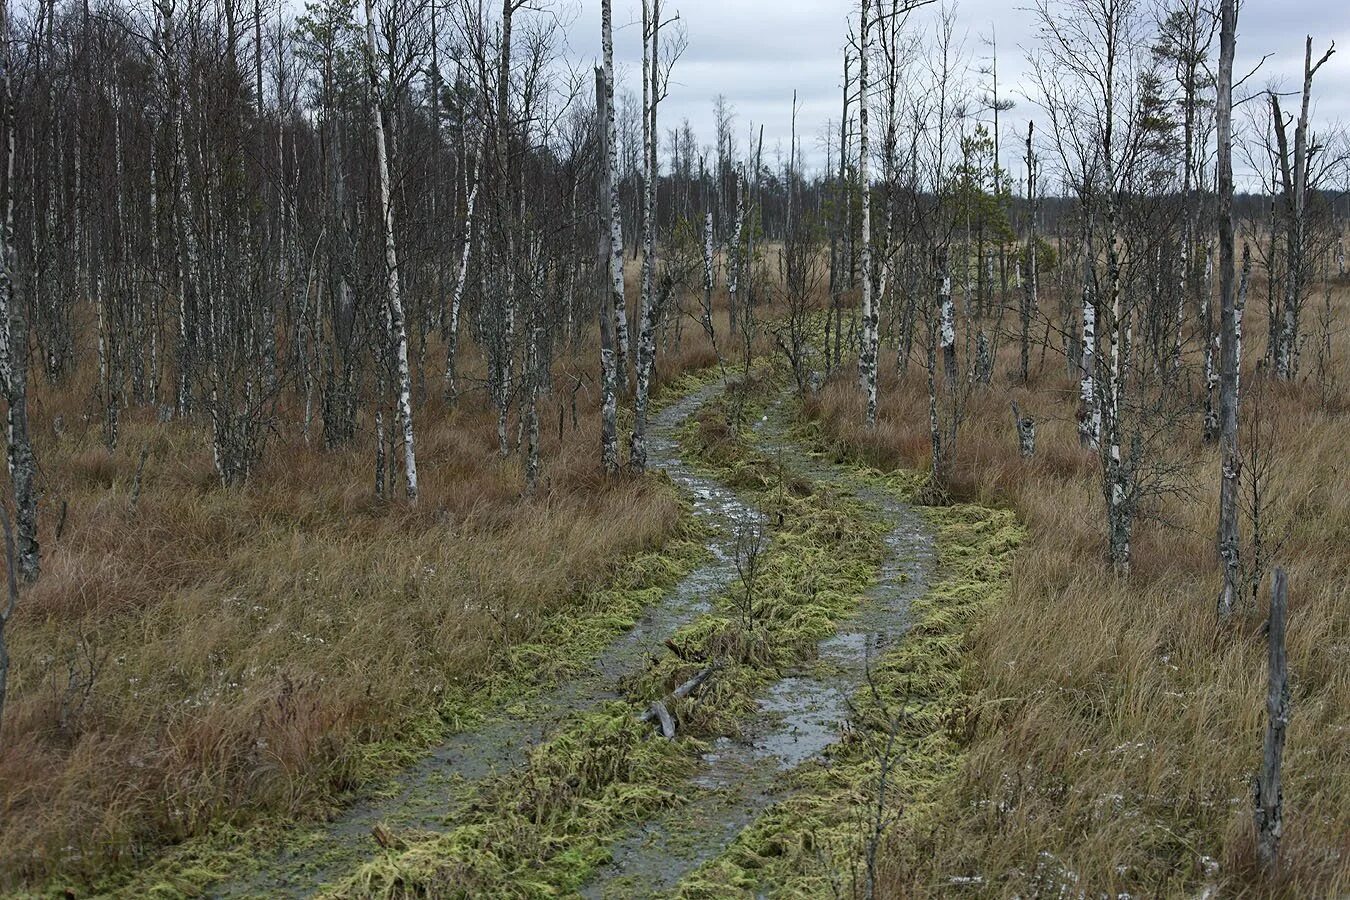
[{"x": 757, "y": 52}]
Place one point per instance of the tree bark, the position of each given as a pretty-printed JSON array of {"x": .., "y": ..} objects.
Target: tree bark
[
  {"x": 612, "y": 262},
  {"x": 1029, "y": 298},
  {"x": 1269, "y": 796},
  {"x": 14, "y": 336},
  {"x": 461, "y": 279},
  {"x": 619, "y": 311},
  {"x": 867, "y": 355},
  {"x": 646, "y": 350}
]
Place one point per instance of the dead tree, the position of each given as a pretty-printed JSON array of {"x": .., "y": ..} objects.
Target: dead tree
[
  {"x": 1269, "y": 796},
  {"x": 1026, "y": 432},
  {"x": 1295, "y": 181}
]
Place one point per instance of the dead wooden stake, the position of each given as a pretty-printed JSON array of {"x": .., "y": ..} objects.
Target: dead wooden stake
[
  {"x": 1269, "y": 812},
  {"x": 140, "y": 471},
  {"x": 1026, "y": 432}
]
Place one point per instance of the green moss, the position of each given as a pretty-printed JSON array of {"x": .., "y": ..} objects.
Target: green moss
[{"x": 539, "y": 831}]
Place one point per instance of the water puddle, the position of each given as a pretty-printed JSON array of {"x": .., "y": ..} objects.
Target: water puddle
[{"x": 798, "y": 717}]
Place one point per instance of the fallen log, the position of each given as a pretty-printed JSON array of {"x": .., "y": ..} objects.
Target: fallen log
[{"x": 659, "y": 712}]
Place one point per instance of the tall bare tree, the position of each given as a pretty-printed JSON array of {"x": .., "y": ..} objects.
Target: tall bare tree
[
  {"x": 1229, "y": 324},
  {"x": 14, "y": 332}
]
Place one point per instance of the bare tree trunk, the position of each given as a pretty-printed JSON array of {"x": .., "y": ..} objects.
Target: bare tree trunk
[
  {"x": 12, "y": 584},
  {"x": 1269, "y": 797},
  {"x": 938, "y": 333},
  {"x": 867, "y": 356},
  {"x": 1026, "y": 432},
  {"x": 397, "y": 324},
  {"x": 457, "y": 298},
  {"x": 14, "y": 342},
  {"x": 646, "y": 350},
  {"x": 734, "y": 254},
  {"x": 708, "y": 278},
  {"x": 610, "y": 241},
  {"x": 946, "y": 318},
  {"x": 533, "y": 372},
  {"x": 620, "y": 312},
  {"x": 1229, "y": 359},
  {"x": 1029, "y": 299},
  {"x": 187, "y": 281},
  {"x": 1089, "y": 412},
  {"x": 1294, "y": 174}
]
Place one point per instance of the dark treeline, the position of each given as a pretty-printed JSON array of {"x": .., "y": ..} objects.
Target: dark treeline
[{"x": 252, "y": 220}]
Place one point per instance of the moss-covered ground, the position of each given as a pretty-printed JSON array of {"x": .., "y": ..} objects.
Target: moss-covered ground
[{"x": 542, "y": 829}]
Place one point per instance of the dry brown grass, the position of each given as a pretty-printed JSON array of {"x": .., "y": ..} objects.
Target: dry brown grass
[
  {"x": 214, "y": 654},
  {"x": 1119, "y": 727}
]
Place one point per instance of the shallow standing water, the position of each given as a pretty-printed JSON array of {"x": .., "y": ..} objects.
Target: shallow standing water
[{"x": 798, "y": 716}]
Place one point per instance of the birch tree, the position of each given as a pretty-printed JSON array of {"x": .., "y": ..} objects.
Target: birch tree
[
  {"x": 620, "y": 312},
  {"x": 397, "y": 326},
  {"x": 1229, "y": 324},
  {"x": 646, "y": 349},
  {"x": 867, "y": 356},
  {"x": 610, "y": 238},
  {"x": 14, "y": 338}
]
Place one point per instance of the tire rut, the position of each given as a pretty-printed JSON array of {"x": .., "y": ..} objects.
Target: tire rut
[{"x": 798, "y": 716}]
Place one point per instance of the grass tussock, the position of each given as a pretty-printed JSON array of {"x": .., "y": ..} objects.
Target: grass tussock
[{"x": 1116, "y": 727}]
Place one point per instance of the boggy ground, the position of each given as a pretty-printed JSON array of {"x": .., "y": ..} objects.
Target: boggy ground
[
  {"x": 543, "y": 829},
  {"x": 1115, "y": 728},
  {"x": 211, "y": 666},
  {"x": 546, "y": 825}
]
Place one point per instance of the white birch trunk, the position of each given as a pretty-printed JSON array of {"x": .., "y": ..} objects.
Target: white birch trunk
[
  {"x": 610, "y": 239},
  {"x": 618, "y": 309},
  {"x": 14, "y": 345},
  {"x": 1230, "y": 353},
  {"x": 947, "y": 322},
  {"x": 461, "y": 278},
  {"x": 646, "y": 351},
  {"x": 1089, "y": 424},
  {"x": 867, "y": 356},
  {"x": 397, "y": 325},
  {"x": 734, "y": 260}
]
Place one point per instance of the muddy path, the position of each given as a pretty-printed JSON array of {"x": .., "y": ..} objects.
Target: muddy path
[
  {"x": 426, "y": 797},
  {"x": 799, "y": 716},
  {"x": 796, "y": 717}
]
